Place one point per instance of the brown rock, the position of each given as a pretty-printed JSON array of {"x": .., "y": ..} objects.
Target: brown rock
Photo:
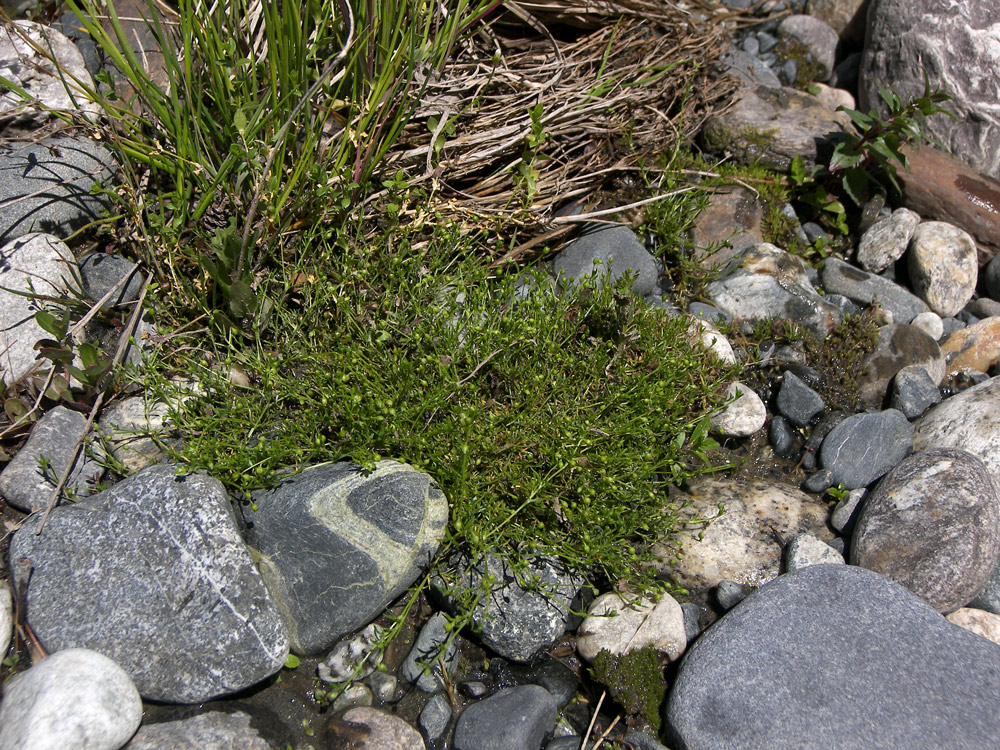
[
  {"x": 898, "y": 346},
  {"x": 974, "y": 348},
  {"x": 731, "y": 219},
  {"x": 977, "y": 621},
  {"x": 772, "y": 126},
  {"x": 940, "y": 186},
  {"x": 134, "y": 17},
  {"x": 846, "y": 17}
]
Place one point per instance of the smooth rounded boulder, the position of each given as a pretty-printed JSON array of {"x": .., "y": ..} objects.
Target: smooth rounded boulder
[
  {"x": 336, "y": 544},
  {"x": 835, "y": 656},
  {"x": 932, "y": 525}
]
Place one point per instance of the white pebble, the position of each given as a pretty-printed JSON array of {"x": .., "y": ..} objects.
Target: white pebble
[
  {"x": 633, "y": 626},
  {"x": 930, "y": 323}
]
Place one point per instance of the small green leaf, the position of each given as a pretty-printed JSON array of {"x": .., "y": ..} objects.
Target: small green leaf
[
  {"x": 50, "y": 324},
  {"x": 860, "y": 119},
  {"x": 15, "y": 409},
  {"x": 240, "y": 122},
  {"x": 242, "y": 300},
  {"x": 855, "y": 182},
  {"x": 292, "y": 662}
]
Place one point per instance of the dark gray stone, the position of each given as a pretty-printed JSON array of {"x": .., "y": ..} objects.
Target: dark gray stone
[
  {"x": 991, "y": 277},
  {"x": 153, "y": 574},
  {"x": 642, "y": 741},
  {"x": 336, "y": 544},
  {"x": 956, "y": 51},
  {"x": 864, "y": 288},
  {"x": 846, "y": 511},
  {"x": 984, "y": 307},
  {"x": 797, "y": 402},
  {"x": 46, "y": 186},
  {"x": 608, "y": 252},
  {"x": 214, "y": 729},
  {"x": 845, "y": 75},
  {"x": 435, "y": 717},
  {"x": 561, "y": 681},
  {"x": 897, "y": 347},
  {"x": 730, "y": 593},
  {"x": 865, "y": 446},
  {"x": 819, "y": 481},
  {"x": 781, "y": 436},
  {"x": 525, "y": 613},
  {"x": 26, "y": 486},
  {"x": 423, "y": 665},
  {"x": 835, "y": 656},
  {"x": 100, "y": 272},
  {"x": 573, "y": 742},
  {"x": 473, "y": 689},
  {"x": 932, "y": 525},
  {"x": 766, "y": 42},
  {"x": 913, "y": 391},
  {"x": 843, "y": 304},
  {"x": 692, "y": 620},
  {"x": 517, "y": 717},
  {"x": 787, "y": 71}
]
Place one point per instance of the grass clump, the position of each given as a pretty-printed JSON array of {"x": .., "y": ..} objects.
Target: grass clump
[{"x": 553, "y": 422}]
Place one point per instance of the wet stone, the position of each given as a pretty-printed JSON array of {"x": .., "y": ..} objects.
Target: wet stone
[
  {"x": 819, "y": 481},
  {"x": 781, "y": 436},
  {"x": 797, "y": 402},
  {"x": 514, "y": 717}
]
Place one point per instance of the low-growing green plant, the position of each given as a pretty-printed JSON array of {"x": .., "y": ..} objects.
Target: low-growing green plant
[
  {"x": 865, "y": 159},
  {"x": 635, "y": 680}
]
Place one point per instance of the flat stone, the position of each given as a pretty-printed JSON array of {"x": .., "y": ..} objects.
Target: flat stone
[
  {"x": 863, "y": 447},
  {"x": 618, "y": 626},
  {"x": 336, "y": 544},
  {"x": 898, "y": 346},
  {"x": 607, "y": 253},
  {"x": 932, "y": 525},
  {"x": 916, "y": 43},
  {"x": 382, "y": 731},
  {"x": 771, "y": 126},
  {"x": 743, "y": 544},
  {"x": 43, "y": 63},
  {"x": 975, "y": 347},
  {"x": 754, "y": 297},
  {"x": 940, "y": 186},
  {"x": 214, "y": 729},
  {"x": 805, "y": 550},
  {"x": 74, "y": 698},
  {"x": 943, "y": 266},
  {"x": 46, "y": 186},
  {"x": 886, "y": 240},
  {"x": 26, "y": 486},
  {"x": 797, "y": 402},
  {"x": 835, "y": 656},
  {"x": 969, "y": 421},
  {"x": 985, "y": 624},
  {"x": 139, "y": 433},
  {"x": 867, "y": 288},
  {"x": 156, "y": 560},
  {"x": 744, "y": 416},
  {"x": 816, "y": 36},
  {"x": 731, "y": 222},
  {"x": 524, "y": 614},
  {"x": 435, "y": 717},
  {"x": 514, "y": 717},
  {"x": 34, "y": 263}
]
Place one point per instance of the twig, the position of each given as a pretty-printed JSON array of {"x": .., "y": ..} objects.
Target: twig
[
  {"x": 593, "y": 720},
  {"x": 478, "y": 367},
  {"x": 617, "y": 209},
  {"x": 600, "y": 740},
  {"x": 123, "y": 344}
]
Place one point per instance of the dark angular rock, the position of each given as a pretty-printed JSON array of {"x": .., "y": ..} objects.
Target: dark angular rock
[
  {"x": 932, "y": 525},
  {"x": 819, "y": 481},
  {"x": 865, "y": 446},
  {"x": 517, "y": 620},
  {"x": 46, "y": 186},
  {"x": 423, "y": 665},
  {"x": 153, "y": 574},
  {"x": 435, "y": 717},
  {"x": 336, "y": 544},
  {"x": 610, "y": 252},
  {"x": 835, "y": 656},
  {"x": 913, "y": 391},
  {"x": 517, "y": 717},
  {"x": 101, "y": 272},
  {"x": 797, "y": 402},
  {"x": 781, "y": 436}
]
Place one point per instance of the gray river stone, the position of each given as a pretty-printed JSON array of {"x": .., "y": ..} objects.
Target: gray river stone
[
  {"x": 865, "y": 446},
  {"x": 153, "y": 574},
  {"x": 864, "y": 288},
  {"x": 516, "y": 717},
  {"x": 213, "y": 730},
  {"x": 933, "y": 525},
  {"x": 608, "y": 252},
  {"x": 24, "y": 483},
  {"x": 336, "y": 544},
  {"x": 46, "y": 186},
  {"x": 835, "y": 656}
]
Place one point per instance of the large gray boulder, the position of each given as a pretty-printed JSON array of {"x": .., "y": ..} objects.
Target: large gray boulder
[
  {"x": 955, "y": 46},
  {"x": 607, "y": 253},
  {"x": 932, "y": 524},
  {"x": 336, "y": 544},
  {"x": 835, "y": 656},
  {"x": 153, "y": 574}
]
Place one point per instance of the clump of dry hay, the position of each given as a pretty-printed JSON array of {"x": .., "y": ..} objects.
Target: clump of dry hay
[{"x": 620, "y": 93}]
